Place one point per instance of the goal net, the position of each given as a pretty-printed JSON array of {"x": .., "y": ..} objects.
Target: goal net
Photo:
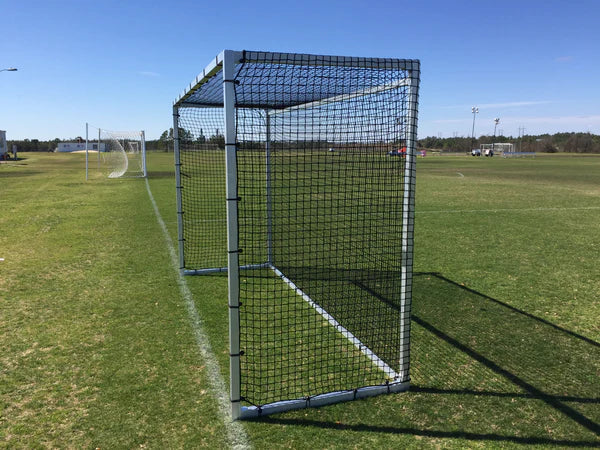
[
  {"x": 497, "y": 148},
  {"x": 285, "y": 182},
  {"x": 123, "y": 154}
]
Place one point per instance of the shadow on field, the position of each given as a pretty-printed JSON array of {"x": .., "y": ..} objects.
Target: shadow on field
[
  {"x": 161, "y": 174},
  {"x": 17, "y": 174},
  {"x": 484, "y": 370}
]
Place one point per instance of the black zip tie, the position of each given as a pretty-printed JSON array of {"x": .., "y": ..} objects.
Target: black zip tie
[
  {"x": 236, "y": 199},
  {"x": 239, "y": 250}
]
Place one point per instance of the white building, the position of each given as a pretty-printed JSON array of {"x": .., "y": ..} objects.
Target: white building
[
  {"x": 3, "y": 146},
  {"x": 79, "y": 146}
]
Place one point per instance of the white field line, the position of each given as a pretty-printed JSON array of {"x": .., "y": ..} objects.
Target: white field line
[
  {"x": 236, "y": 434},
  {"x": 347, "y": 334},
  {"x": 457, "y": 211}
]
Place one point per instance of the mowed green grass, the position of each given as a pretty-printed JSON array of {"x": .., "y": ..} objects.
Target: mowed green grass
[
  {"x": 95, "y": 342},
  {"x": 97, "y": 349}
]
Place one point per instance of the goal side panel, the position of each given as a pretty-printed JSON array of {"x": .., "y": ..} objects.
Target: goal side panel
[{"x": 201, "y": 162}]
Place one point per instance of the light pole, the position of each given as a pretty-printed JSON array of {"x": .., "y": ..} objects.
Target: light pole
[
  {"x": 496, "y": 120},
  {"x": 10, "y": 69},
  {"x": 521, "y": 134},
  {"x": 475, "y": 111}
]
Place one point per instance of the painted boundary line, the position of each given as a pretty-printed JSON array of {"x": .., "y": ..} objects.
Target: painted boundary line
[
  {"x": 458, "y": 211},
  {"x": 378, "y": 362},
  {"x": 236, "y": 435}
]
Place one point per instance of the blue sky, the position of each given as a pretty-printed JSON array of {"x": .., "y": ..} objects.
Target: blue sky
[{"x": 119, "y": 65}]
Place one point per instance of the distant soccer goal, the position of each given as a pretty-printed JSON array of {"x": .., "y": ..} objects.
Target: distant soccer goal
[
  {"x": 125, "y": 153},
  {"x": 496, "y": 148},
  {"x": 122, "y": 153},
  {"x": 513, "y": 154},
  {"x": 317, "y": 244}
]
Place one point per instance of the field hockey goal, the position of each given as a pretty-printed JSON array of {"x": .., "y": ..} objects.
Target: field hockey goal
[{"x": 284, "y": 183}]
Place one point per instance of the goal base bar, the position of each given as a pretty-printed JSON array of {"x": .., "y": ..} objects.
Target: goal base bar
[
  {"x": 224, "y": 269},
  {"x": 248, "y": 412}
]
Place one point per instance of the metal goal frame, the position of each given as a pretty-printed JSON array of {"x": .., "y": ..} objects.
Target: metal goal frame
[{"x": 218, "y": 86}]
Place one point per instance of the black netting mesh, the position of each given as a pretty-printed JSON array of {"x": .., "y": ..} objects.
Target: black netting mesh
[
  {"x": 321, "y": 179},
  {"x": 202, "y": 159}
]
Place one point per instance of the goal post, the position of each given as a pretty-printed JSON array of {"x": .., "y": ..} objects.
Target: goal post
[{"x": 285, "y": 183}]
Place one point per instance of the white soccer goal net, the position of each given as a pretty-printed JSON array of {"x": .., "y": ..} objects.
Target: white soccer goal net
[
  {"x": 496, "y": 148},
  {"x": 123, "y": 153}
]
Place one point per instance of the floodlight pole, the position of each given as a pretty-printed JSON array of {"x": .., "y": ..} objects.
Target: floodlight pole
[
  {"x": 475, "y": 111},
  {"x": 87, "y": 158},
  {"x": 496, "y": 120},
  {"x": 521, "y": 134},
  {"x": 98, "y": 149}
]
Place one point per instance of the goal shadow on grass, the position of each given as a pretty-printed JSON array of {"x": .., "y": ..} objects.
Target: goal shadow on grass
[
  {"x": 482, "y": 370},
  {"x": 154, "y": 174}
]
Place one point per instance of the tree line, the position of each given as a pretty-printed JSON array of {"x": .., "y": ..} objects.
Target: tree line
[
  {"x": 546, "y": 143},
  {"x": 163, "y": 143},
  {"x": 558, "y": 142}
]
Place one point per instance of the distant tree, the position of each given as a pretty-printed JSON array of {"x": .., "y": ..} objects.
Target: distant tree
[
  {"x": 217, "y": 139},
  {"x": 581, "y": 143},
  {"x": 547, "y": 146},
  {"x": 183, "y": 134},
  {"x": 167, "y": 136}
]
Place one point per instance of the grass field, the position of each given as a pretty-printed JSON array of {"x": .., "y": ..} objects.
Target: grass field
[{"x": 97, "y": 348}]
